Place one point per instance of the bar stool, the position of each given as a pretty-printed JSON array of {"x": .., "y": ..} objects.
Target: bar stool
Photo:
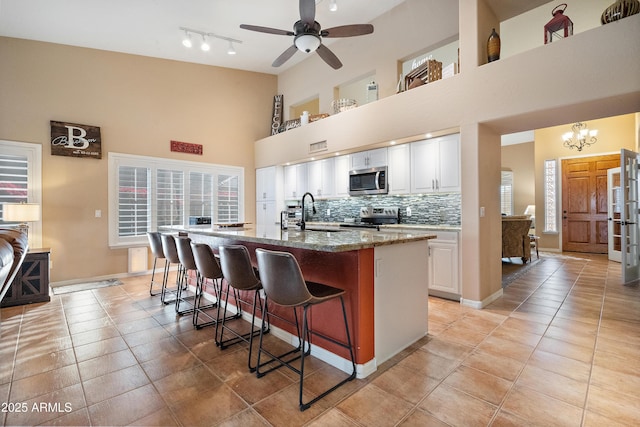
[
  {"x": 240, "y": 275},
  {"x": 155, "y": 243},
  {"x": 171, "y": 255},
  {"x": 208, "y": 269},
  {"x": 284, "y": 284},
  {"x": 185, "y": 255}
]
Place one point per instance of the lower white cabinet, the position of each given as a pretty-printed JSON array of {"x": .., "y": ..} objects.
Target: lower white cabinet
[
  {"x": 266, "y": 217},
  {"x": 444, "y": 265}
]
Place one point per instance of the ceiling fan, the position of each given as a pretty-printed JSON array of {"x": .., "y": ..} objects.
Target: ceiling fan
[{"x": 308, "y": 35}]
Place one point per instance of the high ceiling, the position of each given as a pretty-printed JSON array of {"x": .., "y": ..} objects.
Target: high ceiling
[{"x": 151, "y": 27}]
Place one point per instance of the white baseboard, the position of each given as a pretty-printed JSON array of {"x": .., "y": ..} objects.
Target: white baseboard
[{"x": 481, "y": 304}]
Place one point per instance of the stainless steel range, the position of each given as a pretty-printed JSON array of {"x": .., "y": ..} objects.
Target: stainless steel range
[{"x": 373, "y": 217}]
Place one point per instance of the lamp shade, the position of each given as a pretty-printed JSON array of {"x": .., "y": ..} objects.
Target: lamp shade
[
  {"x": 530, "y": 210},
  {"x": 21, "y": 212},
  {"x": 307, "y": 42}
]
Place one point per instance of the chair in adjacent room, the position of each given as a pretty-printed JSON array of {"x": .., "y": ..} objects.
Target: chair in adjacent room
[
  {"x": 241, "y": 276},
  {"x": 183, "y": 295},
  {"x": 285, "y": 285},
  {"x": 155, "y": 243},
  {"x": 210, "y": 276},
  {"x": 171, "y": 254}
]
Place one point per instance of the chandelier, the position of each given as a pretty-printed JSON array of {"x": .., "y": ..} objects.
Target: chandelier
[{"x": 579, "y": 137}]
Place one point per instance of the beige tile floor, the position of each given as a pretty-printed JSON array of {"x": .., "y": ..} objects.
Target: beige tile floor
[{"x": 560, "y": 347}]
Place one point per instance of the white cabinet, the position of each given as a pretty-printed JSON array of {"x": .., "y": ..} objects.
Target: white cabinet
[
  {"x": 369, "y": 159},
  {"x": 266, "y": 183},
  {"x": 321, "y": 177},
  {"x": 341, "y": 169},
  {"x": 444, "y": 265},
  {"x": 295, "y": 181},
  {"x": 267, "y": 218},
  {"x": 435, "y": 165},
  {"x": 399, "y": 171}
]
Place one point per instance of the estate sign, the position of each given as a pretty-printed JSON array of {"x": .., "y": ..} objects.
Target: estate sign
[{"x": 71, "y": 139}]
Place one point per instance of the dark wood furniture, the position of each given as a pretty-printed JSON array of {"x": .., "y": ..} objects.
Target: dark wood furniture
[{"x": 31, "y": 283}]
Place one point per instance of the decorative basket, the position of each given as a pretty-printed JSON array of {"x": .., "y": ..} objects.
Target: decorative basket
[
  {"x": 340, "y": 105},
  {"x": 428, "y": 72}
]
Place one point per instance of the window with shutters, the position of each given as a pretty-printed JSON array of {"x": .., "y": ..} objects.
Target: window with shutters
[
  {"x": 21, "y": 181},
  {"x": 506, "y": 193},
  {"x": 550, "y": 196},
  {"x": 146, "y": 193}
]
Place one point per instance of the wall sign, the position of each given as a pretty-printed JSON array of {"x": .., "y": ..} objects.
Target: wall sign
[
  {"x": 276, "y": 120},
  {"x": 71, "y": 139},
  {"x": 186, "y": 147}
]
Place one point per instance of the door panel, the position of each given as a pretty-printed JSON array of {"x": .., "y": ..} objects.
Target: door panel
[
  {"x": 630, "y": 221},
  {"x": 584, "y": 203}
]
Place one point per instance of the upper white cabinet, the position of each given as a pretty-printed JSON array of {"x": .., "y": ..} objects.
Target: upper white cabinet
[
  {"x": 295, "y": 181},
  {"x": 341, "y": 169},
  {"x": 399, "y": 172},
  {"x": 321, "y": 177},
  {"x": 435, "y": 165},
  {"x": 266, "y": 184},
  {"x": 369, "y": 159}
]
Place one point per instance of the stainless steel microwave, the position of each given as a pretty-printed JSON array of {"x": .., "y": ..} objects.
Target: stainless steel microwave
[{"x": 368, "y": 181}]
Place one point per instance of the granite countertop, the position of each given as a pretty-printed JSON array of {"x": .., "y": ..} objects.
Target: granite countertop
[{"x": 327, "y": 240}]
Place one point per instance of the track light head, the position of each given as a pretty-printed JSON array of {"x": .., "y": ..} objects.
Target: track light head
[{"x": 205, "y": 46}]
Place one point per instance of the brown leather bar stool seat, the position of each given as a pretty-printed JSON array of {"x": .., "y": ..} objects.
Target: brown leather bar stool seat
[
  {"x": 209, "y": 271},
  {"x": 240, "y": 275},
  {"x": 284, "y": 285},
  {"x": 184, "y": 297},
  {"x": 155, "y": 243},
  {"x": 171, "y": 254}
]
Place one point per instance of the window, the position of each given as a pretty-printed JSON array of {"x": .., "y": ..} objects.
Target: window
[
  {"x": 146, "y": 193},
  {"x": 550, "y": 197},
  {"x": 21, "y": 180},
  {"x": 506, "y": 193}
]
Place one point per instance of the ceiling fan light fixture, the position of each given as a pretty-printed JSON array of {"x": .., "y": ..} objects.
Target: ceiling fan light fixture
[{"x": 307, "y": 42}]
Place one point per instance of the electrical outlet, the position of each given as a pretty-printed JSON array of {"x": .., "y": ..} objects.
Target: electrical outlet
[
  {"x": 328, "y": 212},
  {"x": 482, "y": 212},
  {"x": 408, "y": 211}
]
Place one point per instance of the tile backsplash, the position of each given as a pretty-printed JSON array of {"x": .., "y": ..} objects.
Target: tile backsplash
[{"x": 430, "y": 209}]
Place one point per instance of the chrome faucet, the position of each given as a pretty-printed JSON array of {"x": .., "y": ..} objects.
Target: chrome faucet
[{"x": 313, "y": 201}]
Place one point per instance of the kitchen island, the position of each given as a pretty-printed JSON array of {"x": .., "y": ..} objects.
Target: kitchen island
[{"x": 384, "y": 274}]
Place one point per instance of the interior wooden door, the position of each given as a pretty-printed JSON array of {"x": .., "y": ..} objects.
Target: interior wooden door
[{"x": 584, "y": 203}]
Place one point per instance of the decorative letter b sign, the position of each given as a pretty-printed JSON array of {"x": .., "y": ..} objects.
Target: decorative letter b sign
[{"x": 70, "y": 139}]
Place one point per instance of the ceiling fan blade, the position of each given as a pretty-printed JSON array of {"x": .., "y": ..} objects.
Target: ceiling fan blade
[
  {"x": 329, "y": 57},
  {"x": 267, "y": 30},
  {"x": 348, "y": 30},
  {"x": 308, "y": 11},
  {"x": 284, "y": 56}
]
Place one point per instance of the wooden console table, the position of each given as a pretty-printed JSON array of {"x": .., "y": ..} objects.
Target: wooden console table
[{"x": 31, "y": 283}]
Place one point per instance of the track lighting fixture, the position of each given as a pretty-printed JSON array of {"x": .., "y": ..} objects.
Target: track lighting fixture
[
  {"x": 205, "y": 46},
  {"x": 186, "y": 42},
  {"x": 231, "y": 50},
  {"x": 333, "y": 6}
]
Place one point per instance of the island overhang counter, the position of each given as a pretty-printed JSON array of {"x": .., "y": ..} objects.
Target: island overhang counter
[{"x": 384, "y": 274}]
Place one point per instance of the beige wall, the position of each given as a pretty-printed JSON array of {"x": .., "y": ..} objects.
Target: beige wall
[
  {"x": 613, "y": 134},
  {"x": 140, "y": 104},
  {"x": 519, "y": 158}
]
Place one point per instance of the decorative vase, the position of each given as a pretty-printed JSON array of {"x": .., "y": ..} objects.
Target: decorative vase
[
  {"x": 493, "y": 46},
  {"x": 620, "y": 9}
]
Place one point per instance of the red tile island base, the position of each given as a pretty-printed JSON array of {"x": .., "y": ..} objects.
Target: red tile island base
[{"x": 384, "y": 275}]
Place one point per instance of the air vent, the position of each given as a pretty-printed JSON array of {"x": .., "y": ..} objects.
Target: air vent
[{"x": 317, "y": 147}]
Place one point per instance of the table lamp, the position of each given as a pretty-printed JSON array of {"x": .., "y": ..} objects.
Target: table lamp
[
  {"x": 531, "y": 212},
  {"x": 22, "y": 213}
]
